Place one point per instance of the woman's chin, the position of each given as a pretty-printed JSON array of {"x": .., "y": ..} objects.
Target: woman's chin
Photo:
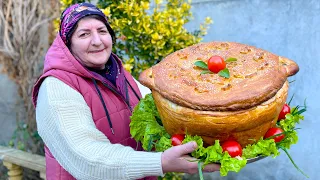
[{"x": 99, "y": 61}]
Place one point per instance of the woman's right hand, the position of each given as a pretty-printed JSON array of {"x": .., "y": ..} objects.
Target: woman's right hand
[{"x": 176, "y": 159}]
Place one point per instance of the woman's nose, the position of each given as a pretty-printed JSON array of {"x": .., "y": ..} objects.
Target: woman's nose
[{"x": 96, "y": 39}]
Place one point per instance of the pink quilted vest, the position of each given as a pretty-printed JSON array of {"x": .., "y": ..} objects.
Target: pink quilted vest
[{"x": 60, "y": 63}]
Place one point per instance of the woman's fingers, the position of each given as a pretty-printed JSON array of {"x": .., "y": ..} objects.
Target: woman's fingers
[
  {"x": 211, "y": 168},
  {"x": 175, "y": 159},
  {"x": 189, "y": 158},
  {"x": 184, "y": 148}
]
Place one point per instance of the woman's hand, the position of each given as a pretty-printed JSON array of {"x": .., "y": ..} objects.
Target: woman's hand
[{"x": 176, "y": 159}]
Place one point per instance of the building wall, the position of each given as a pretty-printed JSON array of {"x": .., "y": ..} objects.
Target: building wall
[
  {"x": 290, "y": 28},
  {"x": 8, "y": 99}
]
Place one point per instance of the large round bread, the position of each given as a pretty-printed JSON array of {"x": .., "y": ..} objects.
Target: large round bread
[
  {"x": 255, "y": 77},
  {"x": 244, "y": 126},
  {"x": 242, "y": 107}
]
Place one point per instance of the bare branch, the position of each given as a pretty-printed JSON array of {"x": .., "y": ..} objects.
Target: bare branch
[{"x": 22, "y": 23}]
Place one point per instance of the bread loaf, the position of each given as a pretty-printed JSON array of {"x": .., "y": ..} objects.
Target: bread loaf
[{"x": 242, "y": 107}]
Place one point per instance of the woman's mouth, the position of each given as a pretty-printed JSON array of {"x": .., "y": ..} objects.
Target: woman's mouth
[{"x": 97, "y": 51}]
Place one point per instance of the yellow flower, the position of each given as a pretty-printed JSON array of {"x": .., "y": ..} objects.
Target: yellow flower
[
  {"x": 128, "y": 67},
  {"x": 156, "y": 36},
  {"x": 56, "y": 24},
  {"x": 158, "y": 1},
  {"x": 65, "y": 4},
  {"x": 135, "y": 13},
  {"x": 185, "y": 6},
  {"x": 116, "y": 22},
  {"x": 208, "y": 20},
  {"x": 106, "y": 11},
  {"x": 145, "y": 5}
]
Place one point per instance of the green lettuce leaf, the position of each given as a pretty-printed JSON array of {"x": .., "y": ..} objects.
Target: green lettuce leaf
[
  {"x": 214, "y": 154},
  {"x": 288, "y": 125},
  {"x": 144, "y": 126},
  {"x": 164, "y": 143},
  {"x": 200, "y": 150},
  {"x": 291, "y": 137},
  {"x": 231, "y": 164},
  {"x": 290, "y": 122},
  {"x": 261, "y": 148}
]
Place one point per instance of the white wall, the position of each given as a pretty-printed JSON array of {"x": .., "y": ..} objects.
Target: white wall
[{"x": 289, "y": 28}]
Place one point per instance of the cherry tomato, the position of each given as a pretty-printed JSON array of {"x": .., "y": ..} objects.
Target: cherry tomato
[
  {"x": 232, "y": 147},
  {"x": 285, "y": 110},
  {"x": 274, "y": 131},
  {"x": 177, "y": 139},
  {"x": 216, "y": 64}
]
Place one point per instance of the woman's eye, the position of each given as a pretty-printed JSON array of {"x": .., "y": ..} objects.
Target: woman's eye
[
  {"x": 83, "y": 34},
  {"x": 103, "y": 31}
]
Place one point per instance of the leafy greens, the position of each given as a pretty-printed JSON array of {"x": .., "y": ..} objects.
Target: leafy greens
[{"x": 146, "y": 127}]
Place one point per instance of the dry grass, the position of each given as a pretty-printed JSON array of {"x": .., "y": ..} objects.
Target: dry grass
[{"x": 23, "y": 42}]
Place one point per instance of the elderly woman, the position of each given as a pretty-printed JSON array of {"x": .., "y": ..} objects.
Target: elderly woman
[{"x": 84, "y": 100}]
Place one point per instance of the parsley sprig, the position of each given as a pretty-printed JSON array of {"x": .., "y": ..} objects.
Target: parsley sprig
[{"x": 223, "y": 73}]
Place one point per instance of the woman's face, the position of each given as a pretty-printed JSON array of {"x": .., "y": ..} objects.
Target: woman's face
[{"x": 91, "y": 43}]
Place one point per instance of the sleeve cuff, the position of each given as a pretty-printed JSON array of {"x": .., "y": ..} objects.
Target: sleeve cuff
[{"x": 143, "y": 164}]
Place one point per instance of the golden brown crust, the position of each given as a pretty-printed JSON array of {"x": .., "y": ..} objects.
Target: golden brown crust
[
  {"x": 255, "y": 77},
  {"x": 242, "y": 126}
]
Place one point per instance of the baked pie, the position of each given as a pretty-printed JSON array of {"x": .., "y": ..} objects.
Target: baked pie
[{"x": 241, "y": 107}]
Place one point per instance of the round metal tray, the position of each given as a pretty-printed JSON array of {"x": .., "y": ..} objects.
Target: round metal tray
[{"x": 251, "y": 160}]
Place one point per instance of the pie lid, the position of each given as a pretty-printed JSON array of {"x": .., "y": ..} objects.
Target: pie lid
[{"x": 255, "y": 77}]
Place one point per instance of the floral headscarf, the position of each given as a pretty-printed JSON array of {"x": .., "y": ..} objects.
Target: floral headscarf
[{"x": 70, "y": 17}]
